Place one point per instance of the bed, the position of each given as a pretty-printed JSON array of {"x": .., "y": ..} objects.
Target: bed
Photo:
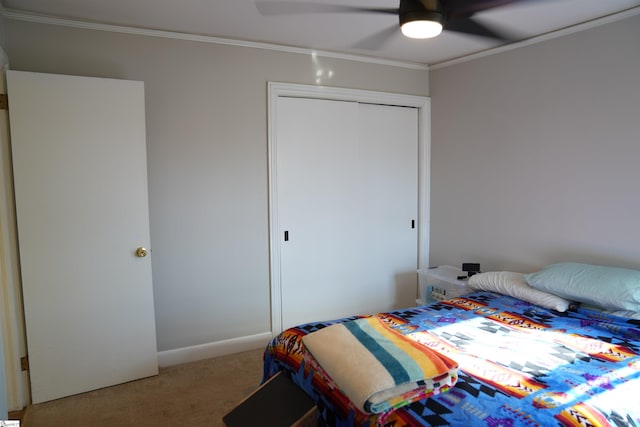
[{"x": 521, "y": 361}]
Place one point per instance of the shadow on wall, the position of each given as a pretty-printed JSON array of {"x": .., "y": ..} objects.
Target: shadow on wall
[{"x": 406, "y": 286}]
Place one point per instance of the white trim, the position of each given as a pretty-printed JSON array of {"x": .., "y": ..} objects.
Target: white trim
[
  {"x": 274, "y": 225},
  {"x": 424, "y": 185},
  {"x": 342, "y": 94},
  {"x": 541, "y": 38},
  {"x": 423, "y": 104},
  {"x": 214, "y": 349},
  {"x": 65, "y": 22}
]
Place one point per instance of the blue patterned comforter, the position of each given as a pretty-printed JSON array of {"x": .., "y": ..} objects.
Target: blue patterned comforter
[{"x": 520, "y": 365}]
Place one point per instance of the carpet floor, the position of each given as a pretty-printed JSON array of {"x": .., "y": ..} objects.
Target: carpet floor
[{"x": 193, "y": 394}]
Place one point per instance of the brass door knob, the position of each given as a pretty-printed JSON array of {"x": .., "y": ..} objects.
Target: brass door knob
[{"x": 141, "y": 252}]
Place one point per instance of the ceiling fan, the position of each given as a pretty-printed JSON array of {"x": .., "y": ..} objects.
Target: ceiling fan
[{"x": 417, "y": 18}]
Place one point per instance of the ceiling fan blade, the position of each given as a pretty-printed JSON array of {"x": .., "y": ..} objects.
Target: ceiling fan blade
[
  {"x": 464, "y": 8},
  {"x": 378, "y": 39},
  {"x": 271, "y": 8},
  {"x": 471, "y": 26}
]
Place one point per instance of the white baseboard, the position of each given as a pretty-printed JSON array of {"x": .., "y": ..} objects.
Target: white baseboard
[{"x": 213, "y": 349}]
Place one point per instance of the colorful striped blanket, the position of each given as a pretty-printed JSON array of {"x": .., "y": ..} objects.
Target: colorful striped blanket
[{"x": 378, "y": 368}]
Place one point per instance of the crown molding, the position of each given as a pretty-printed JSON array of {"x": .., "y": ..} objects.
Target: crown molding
[
  {"x": 614, "y": 17},
  {"x": 74, "y": 23},
  {"x": 18, "y": 15}
]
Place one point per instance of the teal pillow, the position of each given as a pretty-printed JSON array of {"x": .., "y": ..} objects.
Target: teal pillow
[{"x": 607, "y": 287}]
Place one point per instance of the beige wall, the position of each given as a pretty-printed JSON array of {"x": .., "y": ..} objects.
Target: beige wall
[
  {"x": 3, "y": 33},
  {"x": 535, "y": 154},
  {"x": 207, "y": 160}
]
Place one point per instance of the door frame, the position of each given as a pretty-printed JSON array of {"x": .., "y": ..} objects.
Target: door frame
[
  {"x": 422, "y": 103},
  {"x": 12, "y": 315}
]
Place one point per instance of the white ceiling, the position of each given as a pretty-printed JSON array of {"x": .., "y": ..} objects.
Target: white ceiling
[{"x": 340, "y": 33}]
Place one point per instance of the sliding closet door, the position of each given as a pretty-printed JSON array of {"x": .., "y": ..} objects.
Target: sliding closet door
[
  {"x": 347, "y": 195},
  {"x": 388, "y": 158}
]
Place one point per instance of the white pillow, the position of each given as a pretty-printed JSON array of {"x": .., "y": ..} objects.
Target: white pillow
[
  {"x": 513, "y": 284},
  {"x": 608, "y": 287}
]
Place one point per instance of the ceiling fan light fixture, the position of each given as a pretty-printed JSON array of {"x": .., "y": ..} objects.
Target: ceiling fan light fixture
[
  {"x": 421, "y": 29},
  {"x": 421, "y": 19}
]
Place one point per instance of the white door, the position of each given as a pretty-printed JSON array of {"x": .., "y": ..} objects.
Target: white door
[
  {"x": 347, "y": 177},
  {"x": 80, "y": 175}
]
